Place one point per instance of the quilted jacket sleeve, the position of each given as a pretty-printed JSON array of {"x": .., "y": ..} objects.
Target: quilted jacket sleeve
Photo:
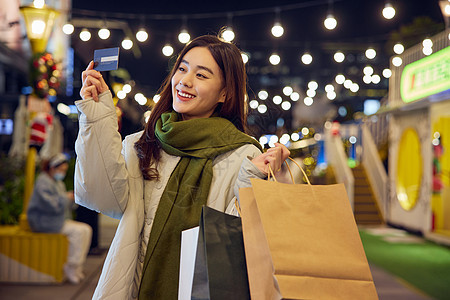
[{"x": 101, "y": 177}]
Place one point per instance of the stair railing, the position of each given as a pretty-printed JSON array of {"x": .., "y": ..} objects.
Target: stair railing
[
  {"x": 375, "y": 171},
  {"x": 339, "y": 161}
]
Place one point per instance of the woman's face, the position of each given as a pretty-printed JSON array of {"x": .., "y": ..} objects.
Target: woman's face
[{"x": 197, "y": 85}]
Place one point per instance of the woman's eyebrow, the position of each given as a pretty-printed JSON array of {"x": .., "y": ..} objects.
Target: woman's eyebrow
[{"x": 199, "y": 66}]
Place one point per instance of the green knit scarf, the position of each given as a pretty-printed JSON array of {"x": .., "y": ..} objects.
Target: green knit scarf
[{"x": 198, "y": 142}]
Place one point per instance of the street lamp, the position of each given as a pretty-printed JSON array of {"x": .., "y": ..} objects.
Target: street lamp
[
  {"x": 39, "y": 20},
  {"x": 39, "y": 24}
]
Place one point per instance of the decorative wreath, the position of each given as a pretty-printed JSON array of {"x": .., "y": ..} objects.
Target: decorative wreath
[{"x": 45, "y": 75}]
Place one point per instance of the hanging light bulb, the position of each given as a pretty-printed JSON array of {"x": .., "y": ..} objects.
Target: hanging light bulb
[
  {"x": 427, "y": 51},
  {"x": 371, "y": 53},
  {"x": 339, "y": 79},
  {"x": 368, "y": 70},
  {"x": 387, "y": 73},
  {"x": 228, "y": 34},
  {"x": 277, "y": 29},
  {"x": 142, "y": 35},
  {"x": 104, "y": 33},
  {"x": 388, "y": 11},
  {"x": 330, "y": 22},
  {"x": 274, "y": 59},
  {"x": 184, "y": 37},
  {"x": 427, "y": 43},
  {"x": 85, "y": 35},
  {"x": 263, "y": 95},
  {"x": 397, "y": 61},
  {"x": 287, "y": 90},
  {"x": 68, "y": 28},
  {"x": 399, "y": 48},
  {"x": 167, "y": 50},
  {"x": 313, "y": 85},
  {"x": 339, "y": 57},
  {"x": 244, "y": 57},
  {"x": 307, "y": 58},
  {"x": 127, "y": 44}
]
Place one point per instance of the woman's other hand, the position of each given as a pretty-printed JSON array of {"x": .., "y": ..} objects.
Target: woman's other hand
[
  {"x": 274, "y": 157},
  {"x": 93, "y": 83}
]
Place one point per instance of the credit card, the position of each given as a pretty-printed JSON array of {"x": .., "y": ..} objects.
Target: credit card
[{"x": 106, "y": 59}]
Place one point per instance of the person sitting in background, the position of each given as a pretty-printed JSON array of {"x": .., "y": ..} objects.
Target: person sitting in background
[{"x": 49, "y": 211}]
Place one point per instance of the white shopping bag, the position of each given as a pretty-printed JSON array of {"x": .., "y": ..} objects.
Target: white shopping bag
[{"x": 189, "y": 239}]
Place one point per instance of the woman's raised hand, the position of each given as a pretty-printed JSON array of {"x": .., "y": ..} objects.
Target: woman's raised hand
[
  {"x": 93, "y": 83},
  {"x": 274, "y": 157}
]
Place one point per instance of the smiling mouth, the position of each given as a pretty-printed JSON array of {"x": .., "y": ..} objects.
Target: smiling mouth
[{"x": 184, "y": 96}]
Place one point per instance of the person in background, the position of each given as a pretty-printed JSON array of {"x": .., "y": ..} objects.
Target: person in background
[{"x": 49, "y": 211}]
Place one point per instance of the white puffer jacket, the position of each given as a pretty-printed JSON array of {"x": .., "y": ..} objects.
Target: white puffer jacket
[{"x": 108, "y": 180}]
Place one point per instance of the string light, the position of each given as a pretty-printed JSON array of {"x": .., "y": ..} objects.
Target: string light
[
  {"x": 142, "y": 35},
  {"x": 295, "y": 136},
  {"x": 274, "y": 59},
  {"x": 368, "y": 70},
  {"x": 121, "y": 95},
  {"x": 329, "y": 88},
  {"x": 228, "y": 35},
  {"x": 263, "y": 95},
  {"x": 277, "y": 30},
  {"x": 287, "y": 90},
  {"x": 330, "y": 22},
  {"x": 427, "y": 51},
  {"x": 313, "y": 85},
  {"x": 286, "y": 105},
  {"x": 277, "y": 99},
  {"x": 308, "y": 101},
  {"x": 331, "y": 95},
  {"x": 367, "y": 79},
  {"x": 427, "y": 43},
  {"x": 388, "y": 11},
  {"x": 355, "y": 87},
  {"x": 104, "y": 33},
  {"x": 397, "y": 61},
  {"x": 399, "y": 48},
  {"x": 295, "y": 96},
  {"x": 262, "y": 108},
  {"x": 156, "y": 98},
  {"x": 68, "y": 28},
  {"x": 127, "y": 44},
  {"x": 311, "y": 93},
  {"x": 348, "y": 83},
  {"x": 126, "y": 88},
  {"x": 140, "y": 98},
  {"x": 85, "y": 35},
  {"x": 254, "y": 104},
  {"x": 387, "y": 73},
  {"x": 184, "y": 37},
  {"x": 340, "y": 79},
  {"x": 371, "y": 53},
  {"x": 244, "y": 57},
  {"x": 307, "y": 58},
  {"x": 167, "y": 50},
  {"x": 376, "y": 79},
  {"x": 339, "y": 57}
]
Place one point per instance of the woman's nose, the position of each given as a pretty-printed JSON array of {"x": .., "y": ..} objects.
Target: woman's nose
[{"x": 186, "y": 81}]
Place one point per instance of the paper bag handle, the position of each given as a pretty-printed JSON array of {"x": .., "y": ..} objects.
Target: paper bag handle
[{"x": 290, "y": 172}]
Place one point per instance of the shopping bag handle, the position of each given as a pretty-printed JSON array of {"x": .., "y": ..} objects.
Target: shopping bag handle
[{"x": 290, "y": 172}]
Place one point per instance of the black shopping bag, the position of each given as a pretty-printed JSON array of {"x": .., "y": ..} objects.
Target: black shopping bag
[{"x": 220, "y": 268}]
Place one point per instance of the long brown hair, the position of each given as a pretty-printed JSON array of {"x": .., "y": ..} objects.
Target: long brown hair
[{"x": 228, "y": 58}]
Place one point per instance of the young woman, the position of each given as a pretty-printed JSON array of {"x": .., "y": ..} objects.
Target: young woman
[
  {"x": 193, "y": 152},
  {"x": 49, "y": 211}
]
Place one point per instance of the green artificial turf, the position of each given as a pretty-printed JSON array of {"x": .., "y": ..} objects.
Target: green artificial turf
[{"x": 424, "y": 265}]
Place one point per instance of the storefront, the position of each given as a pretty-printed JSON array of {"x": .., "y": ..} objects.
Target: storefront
[{"x": 419, "y": 140}]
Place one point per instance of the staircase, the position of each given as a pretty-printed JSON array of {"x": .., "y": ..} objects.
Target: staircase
[{"x": 365, "y": 206}]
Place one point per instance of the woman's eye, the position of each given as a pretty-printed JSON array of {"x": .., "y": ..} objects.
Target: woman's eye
[
  {"x": 181, "y": 69},
  {"x": 201, "y": 75}
]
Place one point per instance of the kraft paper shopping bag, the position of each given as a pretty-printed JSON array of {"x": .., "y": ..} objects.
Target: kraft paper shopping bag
[{"x": 312, "y": 238}]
